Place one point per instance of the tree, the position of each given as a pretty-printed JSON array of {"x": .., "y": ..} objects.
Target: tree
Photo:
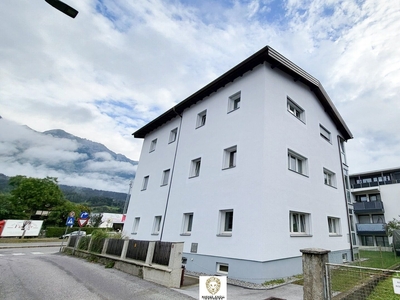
[
  {"x": 95, "y": 220},
  {"x": 32, "y": 194},
  {"x": 392, "y": 225}
]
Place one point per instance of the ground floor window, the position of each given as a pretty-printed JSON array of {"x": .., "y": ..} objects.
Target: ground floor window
[
  {"x": 382, "y": 241},
  {"x": 367, "y": 240}
]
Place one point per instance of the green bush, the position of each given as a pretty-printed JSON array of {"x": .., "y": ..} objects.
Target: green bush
[{"x": 84, "y": 243}]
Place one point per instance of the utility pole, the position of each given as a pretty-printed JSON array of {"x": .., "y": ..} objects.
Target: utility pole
[{"x": 64, "y": 8}]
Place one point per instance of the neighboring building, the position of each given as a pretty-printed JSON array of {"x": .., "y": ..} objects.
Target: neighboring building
[
  {"x": 375, "y": 202},
  {"x": 246, "y": 171}
]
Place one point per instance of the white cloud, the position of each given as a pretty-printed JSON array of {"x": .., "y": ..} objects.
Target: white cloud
[{"x": 101, "y": 76}]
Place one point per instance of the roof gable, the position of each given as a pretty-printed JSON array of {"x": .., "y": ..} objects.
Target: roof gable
[{"x": 266, "y": 54}]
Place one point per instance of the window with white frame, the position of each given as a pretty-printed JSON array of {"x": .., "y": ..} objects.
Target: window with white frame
[
  {"x": 230, "y": 157},
  {"x": 343, "y": 152},
  {"x": 222, "y": 268},
  {"x": 195, "y": 167},
  {"x": 295, "y": 110},
  {"x": 299, "y": 223},
  {"x": 234, "y": 102},
  {"x": 145, "y": 183},
  {"x": 165, "y": 177},
  {"x": 187, "y": 223},
  {"x": 329, "y": 178},
  {"x": 334, "y": 226},
  {"x": 135, "y": 226},
  {"x": 153, "y": 145},
  {"x": 201, "y": 119},
  {"x": 297, "y": 162},
  {"x": 172, "y": 135},
  {"x": 156, "y": 225},
  {"x": 324, "y": 133},
  {"x": 225, "y": 222}
]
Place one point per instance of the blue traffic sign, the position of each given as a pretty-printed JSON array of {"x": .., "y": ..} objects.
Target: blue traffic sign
[
  {"x": 84, "y": 215},
  {"x": 70, "y": 221}
]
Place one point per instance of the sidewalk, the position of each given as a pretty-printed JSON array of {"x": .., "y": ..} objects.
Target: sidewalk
[
  {"x": 287, "y": 291},
  {"x": 30, "y": 245}
]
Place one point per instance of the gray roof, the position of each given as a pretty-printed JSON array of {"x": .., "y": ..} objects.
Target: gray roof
[{"x": 266, "y": 54}]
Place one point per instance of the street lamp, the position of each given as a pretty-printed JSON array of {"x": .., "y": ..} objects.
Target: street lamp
[{"x": 61, "y": 6}]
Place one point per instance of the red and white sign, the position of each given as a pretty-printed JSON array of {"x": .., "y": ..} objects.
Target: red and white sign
[{"x": 82, "y": 222}]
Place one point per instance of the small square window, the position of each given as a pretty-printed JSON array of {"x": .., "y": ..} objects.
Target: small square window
[
  {"x": 156, "y": 225},
  {"x": 334, "y": 226},
  {"x": 230, "y": 157},
  {"x": 329, "y": 178},
  {"x": 234, "y": 102},
  {"x": 135, "y": 225},
  {"x": 295, "y": 110},
  {"x": 172, "y": 135},
  {"x": 145, "y": 183},
  {"x": 324, "y": 133},
  {"x": 222, "y": 268},
  {"x": 299, "y": 223},
  {"x": 201, "y": 119},
  {"x": 225, "y": 222},
  {"x": 187, "y": 223},
  {"x": 165, "y": 177},
  {"x": 195, "y": 167},
  {"x": 153, "y": 145},
  {"x": 297, "y": 163}
]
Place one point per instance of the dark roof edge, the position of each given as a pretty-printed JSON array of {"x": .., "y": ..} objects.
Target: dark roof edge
[{"x": 266, "y": 54}]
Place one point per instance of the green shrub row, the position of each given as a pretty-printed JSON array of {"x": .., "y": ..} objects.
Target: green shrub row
[{"x": 59, "y": 231}]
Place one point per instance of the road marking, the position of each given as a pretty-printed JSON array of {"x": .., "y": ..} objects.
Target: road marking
[
  {"x": 1, "y": 254},
  {"x": 18, "y": 254},
  {"x": 37, "y": 253}
]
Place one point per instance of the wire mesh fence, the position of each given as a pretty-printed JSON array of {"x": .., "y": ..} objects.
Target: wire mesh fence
[{"x": 359, "y": 283}]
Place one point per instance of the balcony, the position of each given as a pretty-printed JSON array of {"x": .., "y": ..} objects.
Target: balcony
[
  {"x": 371, "y": 229},
  {"x": 368, "y": 207}
]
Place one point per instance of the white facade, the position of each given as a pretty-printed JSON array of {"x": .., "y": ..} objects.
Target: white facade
[
  {"x": 375, "y": 196},
  {"x": 259, "y": 193}
]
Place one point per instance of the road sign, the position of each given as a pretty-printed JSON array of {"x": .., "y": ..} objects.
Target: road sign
[
  {"x": 82, "y": 222},
  {"x": 70, "y": 221},
  {"x": 84, "y": 215}
]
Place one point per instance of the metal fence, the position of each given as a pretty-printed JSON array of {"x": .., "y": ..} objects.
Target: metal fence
[{"x": 359, "y": 283}]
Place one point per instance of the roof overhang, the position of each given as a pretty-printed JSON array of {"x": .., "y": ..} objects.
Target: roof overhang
[{"x": 266, "y": 54}]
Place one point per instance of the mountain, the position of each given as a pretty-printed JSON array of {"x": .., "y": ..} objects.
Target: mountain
[{"x": 74, "y": 161}]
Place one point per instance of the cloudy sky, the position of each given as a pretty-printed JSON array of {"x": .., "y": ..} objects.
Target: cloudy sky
[{"x": 120, "y": 64}]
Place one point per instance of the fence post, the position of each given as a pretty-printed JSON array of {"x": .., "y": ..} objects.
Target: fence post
[
  {"x": 150, "y": 253},
  {"x": 105, "y": 246},
  {"x": 124, "y": 249},
  {"x": 314, "y": 272}
]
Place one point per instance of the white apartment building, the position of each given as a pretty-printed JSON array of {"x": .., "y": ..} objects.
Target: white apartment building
[
  {"x": 375, "y": 202},
  {"x": 246, "y": 172}
]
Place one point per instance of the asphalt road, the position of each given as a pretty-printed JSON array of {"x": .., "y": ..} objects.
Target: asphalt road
[{"x": 44, "y": 273}]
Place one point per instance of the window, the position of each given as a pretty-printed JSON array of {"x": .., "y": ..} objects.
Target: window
[
  {"x": 367, "y": 240},
  {"x": 324, "y": 133},
  {"x": 230, "y": 157},
  {"x": 135, "y": 225},
  {"x": 344, "y": 257},
  {"x": 195, "y": 167},
  {"x": 156, "y": 225},
  {"x": 153, "y": 145},
  {"x": 374, "y": 197},
  {"x": 343, "y": 152},
  {"x": 333, "y": 225},
  {"x": 361, "y": 198},
  {"x": 295, "y": 110},
  {"x": 222, "y": 268},
  {"x": 187, "y": 223},
  {"x": 226, "y": 222},
  {"x": 297, "y": 163},
  {"x": 299, "y": 223},
  {"x": 382, "y": 241},
  {"x": 165, "y": 177},
  {"x": 145, "y": 183},
  {"x": 172, "y": 135},
  {"x": 329, "y": 178},
  {"x": 234, "y": 102},
  {"x": 201, "y": 119}
]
